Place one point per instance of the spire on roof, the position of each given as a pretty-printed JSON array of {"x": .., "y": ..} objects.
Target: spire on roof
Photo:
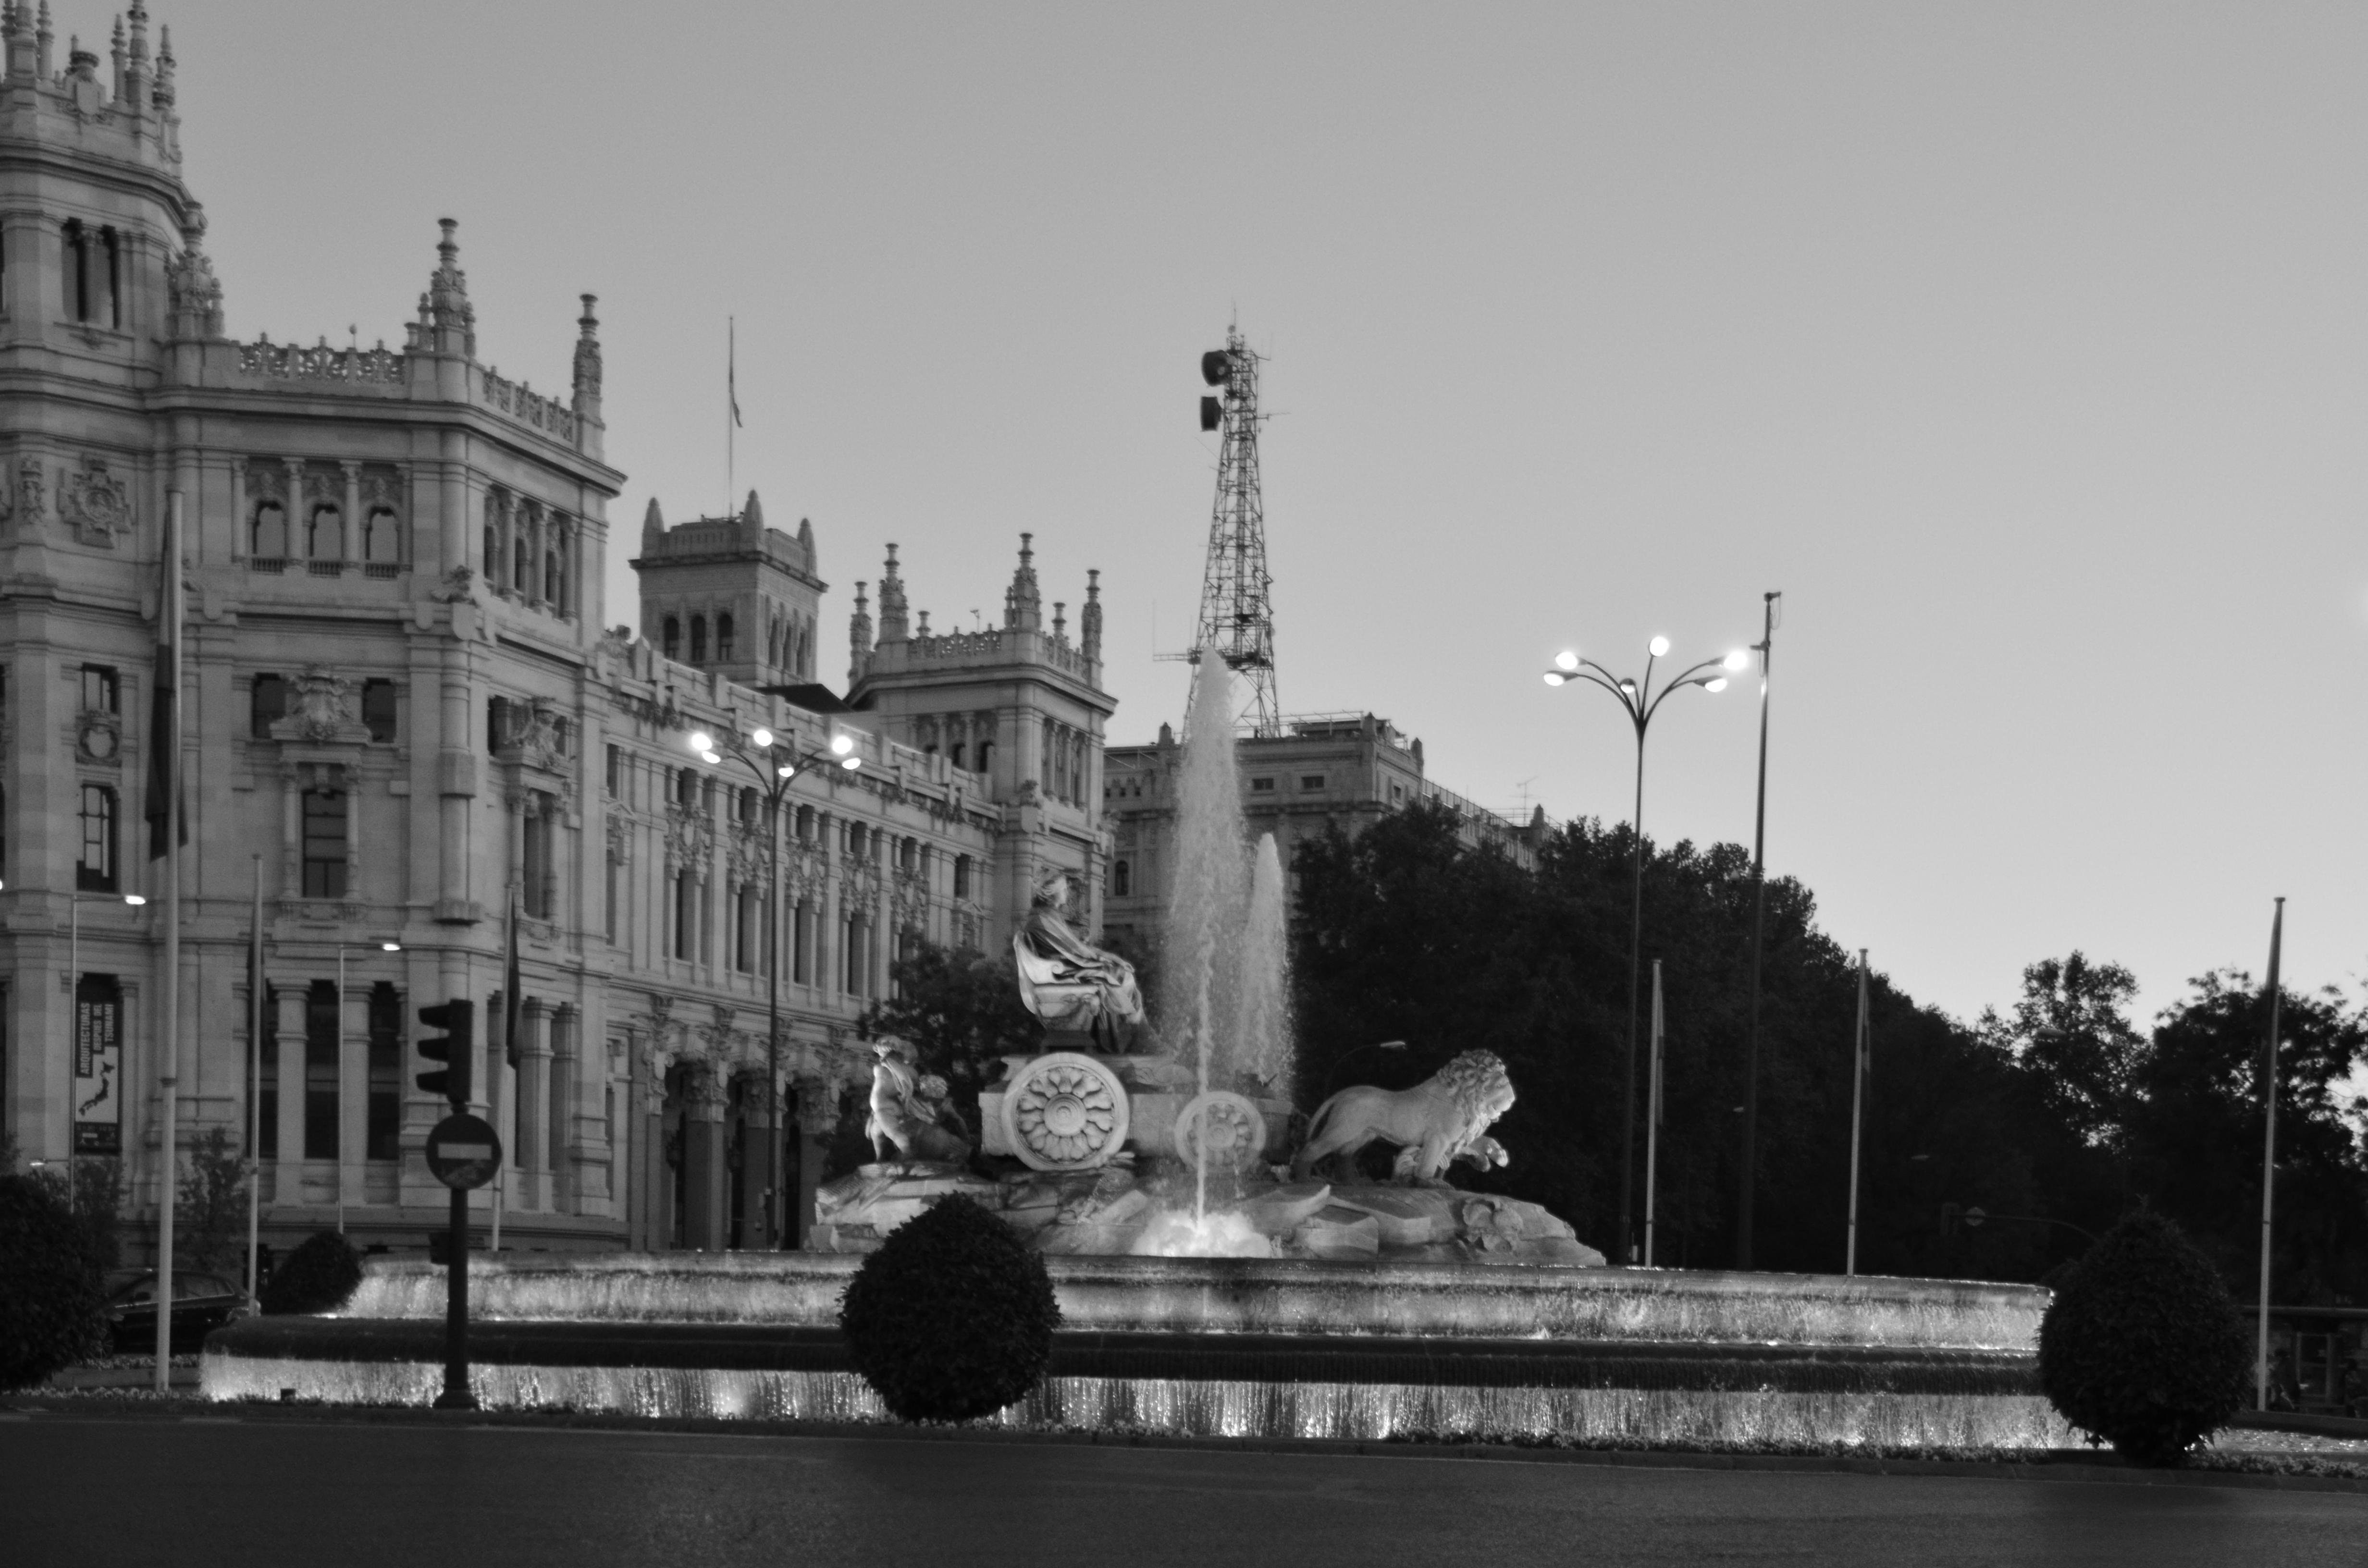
[{"x": 892, "y": 601}]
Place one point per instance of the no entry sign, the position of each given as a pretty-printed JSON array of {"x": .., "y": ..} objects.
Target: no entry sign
[{"x": 464, "y": 1152}]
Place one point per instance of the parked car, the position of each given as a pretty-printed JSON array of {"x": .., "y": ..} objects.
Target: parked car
[{"x": 201, "y": 1304}]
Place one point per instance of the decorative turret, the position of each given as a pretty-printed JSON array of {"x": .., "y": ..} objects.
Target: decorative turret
[
  {"x": 1059, "y": 620},
  {"x": 16, "y": 21},
  {"x": 752, "y": 522},
  {"x": 892, "y": 602},
  {"x": 1089, "y": 619},
  {"x": 806, "y": 543},
  {"x": 653, "y": 529},
  {"x": 587, "y": 363},
  {"x": 42, "y": 39},
  {"x": 135, "y": 90},
  {"x": 450, "y": 319},
  {"x": 1023, "y": 606},
  {"x": 859, "y": 638},
  {"x": 193, "y": 294}
]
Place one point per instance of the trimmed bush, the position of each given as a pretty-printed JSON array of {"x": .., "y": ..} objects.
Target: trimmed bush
[
  {"x": 2141, "y": 1348},
  {"x": 952, "y": 1318},
  {"x": 51, "y": 1289},
  {"x": 316, "y": 1278}
]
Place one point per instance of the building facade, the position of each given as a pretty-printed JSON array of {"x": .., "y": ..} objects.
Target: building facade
[
  {"x": 1328, "y": 770},
  {"x": 410, "y": 728}
]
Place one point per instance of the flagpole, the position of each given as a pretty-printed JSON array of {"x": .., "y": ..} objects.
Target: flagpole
[
  {"x": 731, "y": 405},
  {"x": 254, "y": 1084},
  {"x": 1858, "y": 1046},
  {"x": 1653, "y": 1116},
  {"x": 168, "y": 1063},
  {"x": 2269, "y": 1160}
]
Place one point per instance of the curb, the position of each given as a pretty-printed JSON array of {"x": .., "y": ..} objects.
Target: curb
[{"x": 2062, "y": 1465}]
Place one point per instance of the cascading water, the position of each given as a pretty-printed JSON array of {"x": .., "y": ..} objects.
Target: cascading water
[
  {"x": 1263, "y": 1029},
  {"x": 1206, "y": 916},
  {"x": 1226, "y": 993}
]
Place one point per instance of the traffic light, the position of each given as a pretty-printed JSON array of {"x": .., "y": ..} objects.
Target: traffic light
[{"x": 457, "y": 1046}]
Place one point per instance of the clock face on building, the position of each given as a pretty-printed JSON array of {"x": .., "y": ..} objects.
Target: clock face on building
[{"x": 98, "y": 741}]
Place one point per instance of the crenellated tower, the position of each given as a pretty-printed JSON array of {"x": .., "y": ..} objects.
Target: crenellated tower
[{"x": 732, "y": 595}]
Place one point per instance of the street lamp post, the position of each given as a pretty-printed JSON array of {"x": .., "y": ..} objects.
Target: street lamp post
[
  {"x": 1766, "y": 648},
  {"x": 775, "y": 763},
  {"x": 1640, "y": 702}
]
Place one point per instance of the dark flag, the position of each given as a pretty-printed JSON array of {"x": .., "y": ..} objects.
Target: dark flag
[
  {"x": 164, "y": 769},
  {"x": 510, "y": 986}
]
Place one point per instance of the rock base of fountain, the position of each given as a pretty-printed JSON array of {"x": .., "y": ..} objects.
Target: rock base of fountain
[{"x": 1113, "y": 1211}]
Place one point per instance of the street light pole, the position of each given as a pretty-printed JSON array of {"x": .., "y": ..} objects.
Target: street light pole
[
  {"x": 1638, "y": 699},
  {"x": 781, "y": 764},
  {"x": 1765, "y": 649}
]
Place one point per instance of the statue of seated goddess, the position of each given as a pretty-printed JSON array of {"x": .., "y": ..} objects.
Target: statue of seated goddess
[{"x": 1071, "y": 985}]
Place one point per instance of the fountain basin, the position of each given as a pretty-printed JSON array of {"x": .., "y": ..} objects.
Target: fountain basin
[{"x": 1216, "y": 1347}]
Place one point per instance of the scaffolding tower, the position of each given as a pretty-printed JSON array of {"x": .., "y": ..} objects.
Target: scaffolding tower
[{"x": 1237, "y": 614}]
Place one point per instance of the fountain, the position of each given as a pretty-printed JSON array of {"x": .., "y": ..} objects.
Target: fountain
[{"x": 1205, "y": 1286}]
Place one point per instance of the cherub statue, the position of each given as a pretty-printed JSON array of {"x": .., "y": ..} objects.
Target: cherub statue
[{"x": 912, "y": 1110}]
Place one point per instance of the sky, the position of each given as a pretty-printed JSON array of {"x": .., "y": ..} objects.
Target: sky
[{"x": 2021, "y": 346}]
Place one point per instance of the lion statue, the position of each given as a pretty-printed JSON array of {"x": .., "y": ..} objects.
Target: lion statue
[{"x": 1443, "y": 1119}]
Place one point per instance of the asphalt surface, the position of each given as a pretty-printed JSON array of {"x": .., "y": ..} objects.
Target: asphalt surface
[{"x": 188, "y": 1492}]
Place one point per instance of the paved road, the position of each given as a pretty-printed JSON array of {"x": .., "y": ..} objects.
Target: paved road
[{"x": 180, "y": 1493}]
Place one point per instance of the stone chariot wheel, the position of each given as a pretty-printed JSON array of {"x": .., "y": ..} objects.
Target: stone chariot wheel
[
  {"x": 1225, "y": 1125},
  {"x": 1064, "y": 1111}
]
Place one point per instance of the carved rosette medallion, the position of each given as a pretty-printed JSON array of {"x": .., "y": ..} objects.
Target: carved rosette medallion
[
  {"x": 1064, "y": 1111},
  {"x": 1224, "y": 1126}
]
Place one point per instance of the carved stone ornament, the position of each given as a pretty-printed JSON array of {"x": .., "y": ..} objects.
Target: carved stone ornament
[
  {"x": 319, "y": 711},
  {"x": 31, "y": 488},
  {"x": 1065, "y": 1110},
  {"x": 97, "y": 502},
  {"x": 621, "y": 839},
  {"x": 99, "y": 737},
  {"x": 534, "y": 734},
  {"x": 458, "y": 586}
]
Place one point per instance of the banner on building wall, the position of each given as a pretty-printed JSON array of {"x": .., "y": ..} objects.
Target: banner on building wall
[{"x": 98, "y": 1070}]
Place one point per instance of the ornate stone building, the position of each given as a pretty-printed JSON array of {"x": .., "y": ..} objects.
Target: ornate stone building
[{"x": 404, "y": 713}]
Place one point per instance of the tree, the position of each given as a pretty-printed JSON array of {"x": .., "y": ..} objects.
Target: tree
[
  {"x": 960, "y": 1011},
  {"x": 2071, "y": 1030},
  {"x": 210, "y": 1215},
  {"x": 2193, "y": 1131}
]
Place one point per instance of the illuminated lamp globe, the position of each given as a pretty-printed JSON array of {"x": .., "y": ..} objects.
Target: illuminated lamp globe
[
  {"x": 1717, "y": 684},
  {"x": 134, "y": 900},
  {"x": 841, "y": 745},
  {"x": 1738, "y": 660},
  {"x": 1658, "y": 646},
  {"x": 700, "y": 741},
  {"x": 1568, "y": 659},
  {"x": 1556, "y": 677},
  {"x": 763, "y": 737},
  {"x": 713, "y": 759}
]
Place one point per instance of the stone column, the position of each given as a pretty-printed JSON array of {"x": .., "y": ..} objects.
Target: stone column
[
  {"x": 562, "y": 1136},
  {"x": 817, "y": 1118},
  {"x": 353, "y": 1056},
  {"x": 533, "y": 1106},
  {"x": 702, "y": 1162},
  {"x": 350, "y": 546},
  {"x": 287, "y": 1003}
]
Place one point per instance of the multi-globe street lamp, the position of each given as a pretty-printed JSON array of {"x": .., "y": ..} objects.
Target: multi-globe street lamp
[
  {"x": 1640, "y": 702},
  {"x": 774, "y": 761}
]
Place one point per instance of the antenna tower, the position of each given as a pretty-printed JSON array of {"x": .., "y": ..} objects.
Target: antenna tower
[{"x": 1237, "y": 617}]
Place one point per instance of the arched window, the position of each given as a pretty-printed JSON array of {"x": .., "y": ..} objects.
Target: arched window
[
  {"x": 673, "y": 638},
  {"x": 686, "y": 787},
  {"x": 699, "y": 640},
  {"x": 748, "y": 803},
  {"x": 321, "y": 534},
  {"x": 985, "y": 757},
  {"x": 493, "y": 567},
  {"x": 806, "y": 822},
  {"x": 908, "y": 855},
  {"x": 723, "y": 639},
  {"x": 94, "y": 872},
  {"x": 961, "y": 876},
  {"x": 379, "y": 542},
  {"x": 550, "y": 580},
  {"x": 521, "y": 568},
  {"x": 269, "y": 539},
  {"x": 957, "y": 753},
  {"x": 1121, "y": 880},
  {"x": 324, "y": 844},
  {"x": 855, "y": 841},
  {"x": 773, "y": 643}
]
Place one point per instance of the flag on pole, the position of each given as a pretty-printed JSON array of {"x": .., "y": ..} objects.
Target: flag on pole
[
  {"x": 732, "y": 366},
  {"x": 164, "y": 731},
  {"x": 510, "y": 985}
]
